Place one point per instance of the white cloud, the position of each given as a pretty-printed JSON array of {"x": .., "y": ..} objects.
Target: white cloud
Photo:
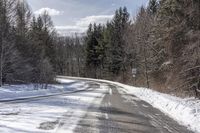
[
  {"x": 101, "y": 19},
  {"x": 52, "y": 12},
  {"x": 82, "y": 24},
  {"x": 70, "y": 30}
]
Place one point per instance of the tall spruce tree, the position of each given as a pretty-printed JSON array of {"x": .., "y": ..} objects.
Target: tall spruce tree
[
  {"x": 91, "y": 49},
  {"x": 116, "y": 54}
]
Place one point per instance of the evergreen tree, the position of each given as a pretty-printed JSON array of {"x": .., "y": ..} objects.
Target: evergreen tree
[
  {"x": 91, "y": 51},
  {"x": 116, "y": 54}
]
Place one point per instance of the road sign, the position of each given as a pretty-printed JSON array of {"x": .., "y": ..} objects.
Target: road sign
[{"x": 134, "y": 71}]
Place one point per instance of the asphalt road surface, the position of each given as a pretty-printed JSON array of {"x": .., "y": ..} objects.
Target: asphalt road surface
[
  {"x": 120, "y": 113},
  {"x": 98, "y": 108}
]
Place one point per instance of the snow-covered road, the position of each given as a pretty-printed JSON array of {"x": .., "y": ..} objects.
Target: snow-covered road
[
  {"x": 50, "y": 114},
  {"x": 103, "y": 107}
]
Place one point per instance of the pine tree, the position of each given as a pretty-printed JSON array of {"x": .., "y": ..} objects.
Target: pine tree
[
  {"x": 91, "y": 53},
  {"x": 116, "y": 54}
]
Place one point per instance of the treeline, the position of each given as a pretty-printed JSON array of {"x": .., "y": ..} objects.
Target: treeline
[
  {"x": 70, "y": 56},
  {"x": 31, "y": 51},
  {"x": 27, "y": 44},
  {"x": 162, "y": 42},
  {"x": 106, "y": 51}
]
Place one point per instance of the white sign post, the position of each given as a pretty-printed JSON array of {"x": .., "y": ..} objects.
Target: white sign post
[{"x": 134, "y": 72}]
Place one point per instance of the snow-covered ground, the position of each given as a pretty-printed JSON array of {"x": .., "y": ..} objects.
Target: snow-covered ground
[
  {"x": 9, "y": 92},
  {"x": 56, "y": 114},
  {"x": 185, "y": 111}
]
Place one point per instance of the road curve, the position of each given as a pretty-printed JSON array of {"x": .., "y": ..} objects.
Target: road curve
[
  {"x": 126, "y": 114},
  {"x": 100, "y": 108}
]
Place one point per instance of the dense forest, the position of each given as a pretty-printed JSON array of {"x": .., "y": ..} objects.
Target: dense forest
[
  {"x": 31, "y": 50},
  {"x": 162, "y": 42}
]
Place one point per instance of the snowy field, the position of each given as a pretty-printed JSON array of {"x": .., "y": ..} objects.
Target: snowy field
[
  {"x": 185, "y": 111},
  {"x": 48, "y": 115}
]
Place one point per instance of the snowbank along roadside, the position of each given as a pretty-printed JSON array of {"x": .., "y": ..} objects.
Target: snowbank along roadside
[{"x": 11, "y": 92}]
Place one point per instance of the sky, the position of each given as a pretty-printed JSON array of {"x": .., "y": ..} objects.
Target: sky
[{"x": 70, "y": 16}]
